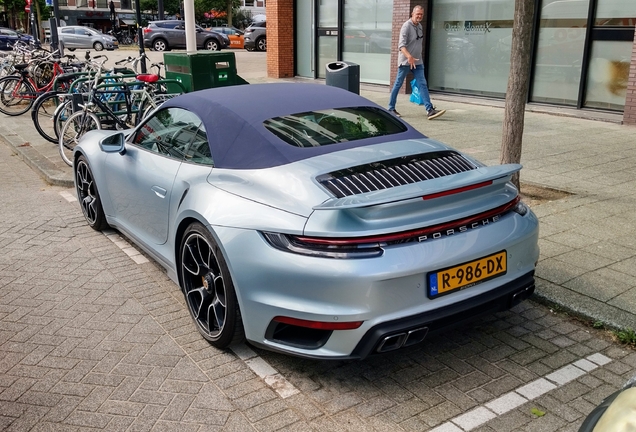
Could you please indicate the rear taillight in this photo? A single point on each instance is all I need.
(147, 30)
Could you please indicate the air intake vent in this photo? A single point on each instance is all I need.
(395, 172)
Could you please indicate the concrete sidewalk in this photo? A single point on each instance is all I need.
(588, 250)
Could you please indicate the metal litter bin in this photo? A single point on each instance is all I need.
(344, 75)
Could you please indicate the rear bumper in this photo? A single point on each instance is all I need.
(395, 334)
(408, 331)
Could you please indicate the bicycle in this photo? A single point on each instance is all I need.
(18, 92)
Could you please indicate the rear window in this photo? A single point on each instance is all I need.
(319, 128)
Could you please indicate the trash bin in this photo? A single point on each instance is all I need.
(344, 75)
(202, 70)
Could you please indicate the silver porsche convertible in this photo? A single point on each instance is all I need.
(307, 220)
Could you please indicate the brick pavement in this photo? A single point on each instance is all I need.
(92, 339)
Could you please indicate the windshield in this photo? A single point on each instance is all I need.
(319, 128)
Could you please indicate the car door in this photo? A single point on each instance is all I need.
(141, 181)
(178, 36)
(68, 37)
(83, 37)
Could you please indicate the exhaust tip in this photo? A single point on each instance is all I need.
(393, 342)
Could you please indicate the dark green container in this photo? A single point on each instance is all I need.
(202, 70)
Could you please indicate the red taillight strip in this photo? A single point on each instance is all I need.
(456, 191)
(319, 325)
(387, 238)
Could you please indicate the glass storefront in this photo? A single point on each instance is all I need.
(367, 38)
(357, 31)
(582, 48)
(470, 46)
(611, 51)
(559, 54)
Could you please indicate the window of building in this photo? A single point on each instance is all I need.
(610, 55)
(470, 46)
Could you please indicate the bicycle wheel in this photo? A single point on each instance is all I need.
(61, 114)
(16, 95)
(42, 115)
(74, 128)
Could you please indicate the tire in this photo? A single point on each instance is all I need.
(16, 95)
(98, 46)
(71, 49)
(261, 44)
(208, 288)
(74, 128)
(160, 45)
(42, 115)
(212, 45)
(88, 196)
(61, 114)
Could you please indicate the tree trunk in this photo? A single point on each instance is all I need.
(229, 13)
(517, 92)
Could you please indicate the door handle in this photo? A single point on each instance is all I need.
(159, 191)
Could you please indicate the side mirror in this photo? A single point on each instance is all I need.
(115, 143)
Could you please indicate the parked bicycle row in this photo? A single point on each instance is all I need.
(68, 96)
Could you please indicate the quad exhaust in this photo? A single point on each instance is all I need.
(399, 340)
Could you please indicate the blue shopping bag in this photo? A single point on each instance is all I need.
(416, 97)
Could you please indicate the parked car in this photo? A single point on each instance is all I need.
(9, 36)
(235, 35)
(309, 220)
(617, 412)
(256, 36)
(73, 37)
(168, 34)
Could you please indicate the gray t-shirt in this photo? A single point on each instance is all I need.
(411, 36)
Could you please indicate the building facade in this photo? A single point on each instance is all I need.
(583, 54)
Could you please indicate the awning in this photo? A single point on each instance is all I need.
(128, 21)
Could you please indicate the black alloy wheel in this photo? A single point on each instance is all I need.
(208, 288)
(88, 196)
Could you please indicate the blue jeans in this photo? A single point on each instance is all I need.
(418, 74)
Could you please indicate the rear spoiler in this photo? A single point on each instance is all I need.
(497, 173)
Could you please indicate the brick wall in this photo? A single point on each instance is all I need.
(629, 115)
(280, 38)
(401, 12)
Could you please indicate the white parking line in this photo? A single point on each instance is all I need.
(480, 415)
(260, 367)
(123, 244)
(68, 196)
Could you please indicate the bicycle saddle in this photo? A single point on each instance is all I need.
(148, 78)
(21, 66)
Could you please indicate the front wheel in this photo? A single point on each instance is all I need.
(42, 115)
(16, 95)
(98, 46)
(74, 128)
(88, 196)
(261, 44)
(212, 45)
(208, 288)
(160, 45)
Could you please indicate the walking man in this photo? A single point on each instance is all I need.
(410, 59)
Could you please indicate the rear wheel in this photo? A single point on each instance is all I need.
(61, 114)
(74, 128)
(16, 95)
(88, 196)
(208, 288)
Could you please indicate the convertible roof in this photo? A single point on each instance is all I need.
(233, 118)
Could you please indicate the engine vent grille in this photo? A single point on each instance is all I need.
(395, 172)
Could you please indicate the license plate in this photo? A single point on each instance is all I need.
(466, 275)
